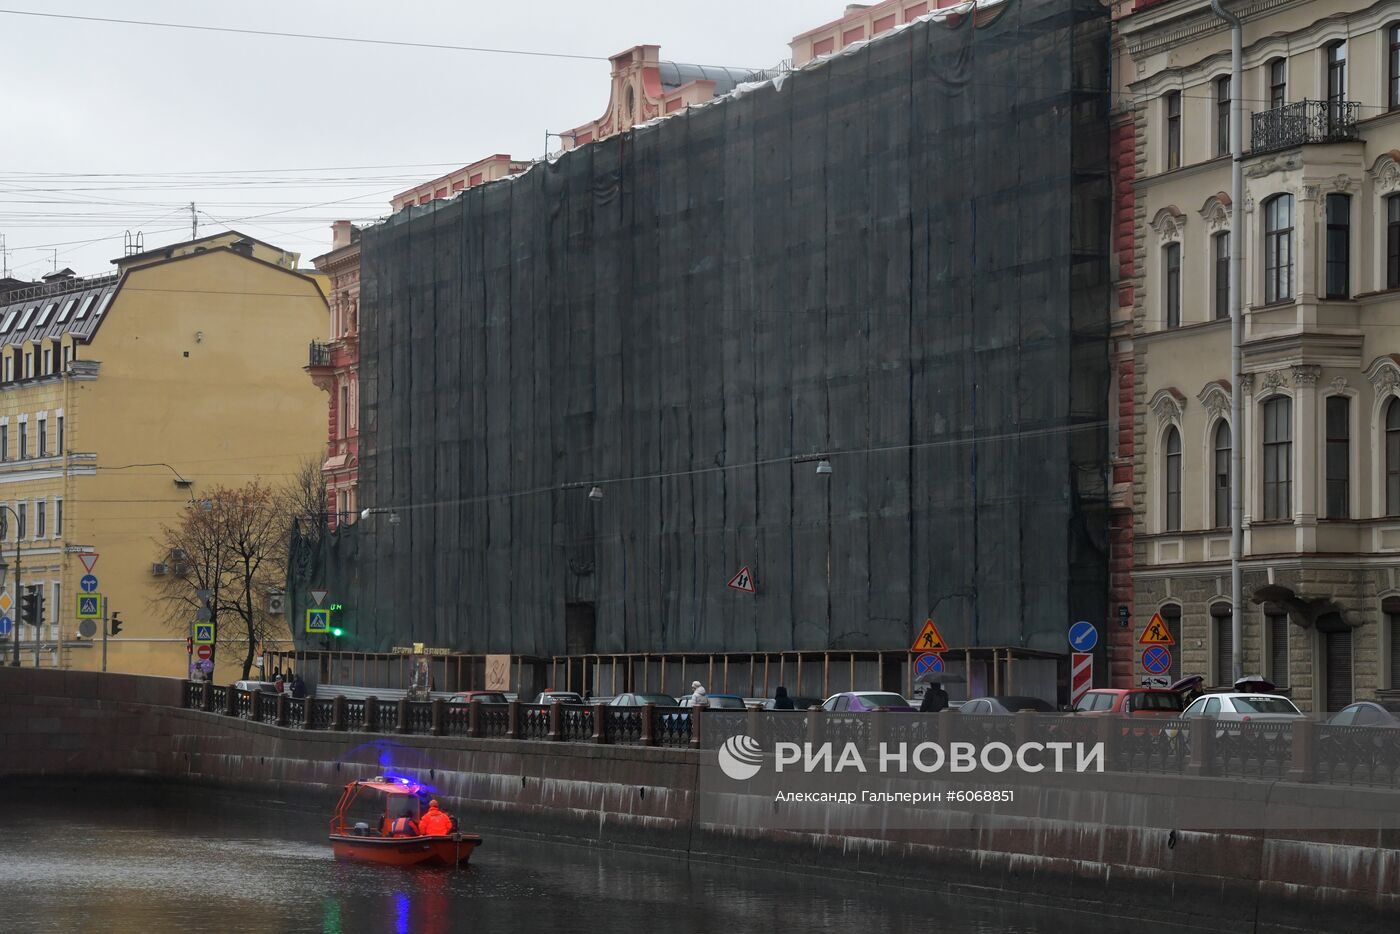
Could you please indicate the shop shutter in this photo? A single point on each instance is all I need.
(1337, 652)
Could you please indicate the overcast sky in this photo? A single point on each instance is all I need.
(109, 127)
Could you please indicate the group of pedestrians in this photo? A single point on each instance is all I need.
(294, 685)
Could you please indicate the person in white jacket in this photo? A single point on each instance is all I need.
(697, 694)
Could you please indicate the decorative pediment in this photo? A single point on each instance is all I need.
(1216, 212)
(1385, 172)
(1168, 404)
(1215, 398)
(1384, 373)
(1169, 223)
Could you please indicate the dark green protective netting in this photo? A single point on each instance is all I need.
(898, 258)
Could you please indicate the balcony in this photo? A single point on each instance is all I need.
(1303, 123)
(320, 354)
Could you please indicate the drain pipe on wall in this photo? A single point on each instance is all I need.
(1236, 336)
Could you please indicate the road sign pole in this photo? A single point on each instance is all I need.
(105, 627)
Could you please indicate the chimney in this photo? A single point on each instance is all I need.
(340, 234)
(243, 247)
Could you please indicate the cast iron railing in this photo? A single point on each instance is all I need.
(1299, 750)
(320, 354)
(1304, 122)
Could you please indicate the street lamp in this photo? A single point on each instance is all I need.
(380, 511)
(4, 568)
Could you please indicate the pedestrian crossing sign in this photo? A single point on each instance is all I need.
(89, 606)
(203, 633)
(318, 620)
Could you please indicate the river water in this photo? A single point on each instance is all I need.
(138, 859)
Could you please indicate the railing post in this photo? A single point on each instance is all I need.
(947, 726)
(371, 714)
(338, 713)
(308, 714)
(513, 720)
(439, 716)
(816, 726)
(1109, 732)
(1304, 765)
(556, 715)
(877, 729)
(474, 717)
(752, 723)
(207, 702)
(600, 723)
(281, 709)
(1022, 726)
(1202, 746)
(231, 701)
(695, 718)
(255, 706)
(402, 725)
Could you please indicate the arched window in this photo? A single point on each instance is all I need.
(1173, 480)
(1392, 458)
(1336, 74)
(1220, 249)
(1278, 458)
(1222, 475)
(1278, 249)
(1392, 241)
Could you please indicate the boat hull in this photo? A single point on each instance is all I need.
(449, 850)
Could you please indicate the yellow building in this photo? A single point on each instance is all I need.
(121, 398)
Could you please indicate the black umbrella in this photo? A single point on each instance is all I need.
(1254, 683)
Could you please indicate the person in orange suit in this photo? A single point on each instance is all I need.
(434, 823)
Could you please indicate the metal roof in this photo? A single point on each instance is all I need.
(674, 74)
(47, 313)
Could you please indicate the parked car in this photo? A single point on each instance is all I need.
(798, 703)
(486, 697)
(639, 700)
(1368, 713)
(866, 701)
(719, 702)
(263, 687)
(1131, 702)
(1005, 704)
(1232, 709)
(559, 697)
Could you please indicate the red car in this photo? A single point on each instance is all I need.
(1130, 702)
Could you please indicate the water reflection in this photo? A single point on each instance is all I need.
(137, 860)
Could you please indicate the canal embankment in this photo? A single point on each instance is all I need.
(1099, 843)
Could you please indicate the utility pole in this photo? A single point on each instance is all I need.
(194, 222)
(105, 627)
(4, 259)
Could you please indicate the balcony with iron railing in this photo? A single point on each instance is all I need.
(1304, 123)
(320, 354)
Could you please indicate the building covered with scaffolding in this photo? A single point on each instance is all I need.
(789, 372)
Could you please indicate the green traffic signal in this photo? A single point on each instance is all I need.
(337, 632)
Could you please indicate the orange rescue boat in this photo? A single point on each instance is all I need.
(373, 844)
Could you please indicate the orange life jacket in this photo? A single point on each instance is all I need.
(403, 827)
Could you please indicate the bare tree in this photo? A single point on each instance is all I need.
(305, 500)
(232, 545)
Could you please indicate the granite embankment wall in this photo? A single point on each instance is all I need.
(74, 724)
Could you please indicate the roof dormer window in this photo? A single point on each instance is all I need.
(24, 318)
(67, 309)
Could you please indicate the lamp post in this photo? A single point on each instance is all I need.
(14, 662)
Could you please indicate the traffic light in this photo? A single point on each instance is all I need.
(116, 623)
(337, 620)
(31, 607)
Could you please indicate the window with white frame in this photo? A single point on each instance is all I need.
(1221, 475)
(1278, 249)
(1278, 457)
(1171, 284)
